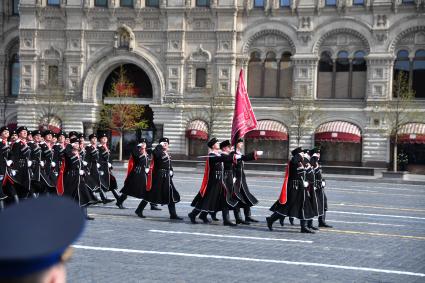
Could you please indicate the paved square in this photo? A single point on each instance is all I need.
(378, 236)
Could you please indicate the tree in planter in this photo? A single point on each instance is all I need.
(398, 110)
(120, 116)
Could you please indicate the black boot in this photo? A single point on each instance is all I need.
(120, 201)
(226, 220)
(270, 220)
(173, 213)
(310, 225)
(86, 214)
(155, 207)
(103, 197)
(291, 220)
(214, 216)
(247, 212)
(16, 199)
(304, 228)
(204, 217)
(115, 193)
(322, 222)
(238, 217)
(192, 215)
(282, 221)
(140, 208)
(1, 205)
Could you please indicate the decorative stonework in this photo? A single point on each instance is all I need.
(270, 38)
(338, 38)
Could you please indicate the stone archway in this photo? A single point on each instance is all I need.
(100, 69)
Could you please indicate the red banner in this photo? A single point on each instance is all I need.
(243, 117)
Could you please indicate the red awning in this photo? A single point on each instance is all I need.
(338, 131)
(412, 133)
(269, 130)
(197, 129)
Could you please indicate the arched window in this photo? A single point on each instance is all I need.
(325, 80)
(201, 77)
(358, 84)
(285, 75)
(402, 63)
(15, 75)
(344, 78)
(53, 76)
(342, 75)
(270, 75)
(418, 79)
(255, 75)
(53, 2)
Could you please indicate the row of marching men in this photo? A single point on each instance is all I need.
(34, 163)
(224, 187)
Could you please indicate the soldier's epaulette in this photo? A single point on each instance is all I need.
(18, 140)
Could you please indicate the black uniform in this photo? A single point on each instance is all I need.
(6, 190)
(74, 184)
(298, 204)
(246, 199)
(319, 183)
(160, 188)
(135, 182)
(47, 157)
(107, 179)
(91, 156)
(21, 157)
(58, 155)
(40, 179)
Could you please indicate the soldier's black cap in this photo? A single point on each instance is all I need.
(61, 133)
(4, 128)
(212, 142)
(74, 140)
(239, 140)
(13, 132)
(92, 136)
(296, 151)
(47, 132)
(314, 150)
(164, 140)
(33, 238)
(102, 134)
(21, 128)
(36, 132)
(142, 140)
(225, 143)
(73, 133)
(81, 135)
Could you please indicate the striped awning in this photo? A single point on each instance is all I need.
(338, 131)
(197, 129)
(269, 130)
(412, 133)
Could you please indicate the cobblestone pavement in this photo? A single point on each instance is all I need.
(378, 236)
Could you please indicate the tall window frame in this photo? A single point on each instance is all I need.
(259, 3)
(14, 75)
(53, 3)
(152, 3)
(285, 3)
(330, 3)
(203, 3)
(101, 3)
(15, 7)
(127, 3)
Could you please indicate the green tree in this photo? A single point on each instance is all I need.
(120, 114)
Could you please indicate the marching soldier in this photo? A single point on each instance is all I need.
(293, 200)
(93, 165)
(320, 184)
(47, 157)
(21, 164)
(212, 195)
(5, 191)
(107, 179)
(246, 199)
(160, 187)
(13, 137)
(58, 152)
(40, 179)
(310, 190)
(135, 182)
(71, 178)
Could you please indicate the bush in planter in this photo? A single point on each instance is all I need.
(402, 161)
